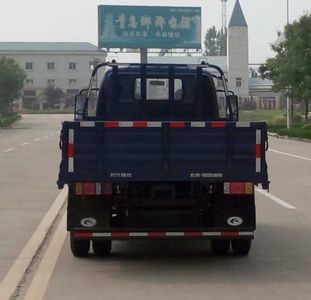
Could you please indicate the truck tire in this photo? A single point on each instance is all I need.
(241, 247)
(79, 248)
(101, 248)
(220, 247)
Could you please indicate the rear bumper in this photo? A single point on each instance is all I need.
(129, 235)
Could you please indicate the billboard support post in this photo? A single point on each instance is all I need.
(143, 55)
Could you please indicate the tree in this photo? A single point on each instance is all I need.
(53, 95)
(215, 42)
(12, 79)
(290, 69)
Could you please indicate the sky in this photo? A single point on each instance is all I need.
(76, 20)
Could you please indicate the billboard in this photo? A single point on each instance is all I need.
(149, 27)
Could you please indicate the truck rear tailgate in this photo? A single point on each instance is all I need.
(163, 151)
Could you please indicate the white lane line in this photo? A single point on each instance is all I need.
(8, 150)
(289, 154)
(45, 137)
(18, 269)
(52, 133)
(36, 140)
(25, 144)
(40, 281)
(275, 199)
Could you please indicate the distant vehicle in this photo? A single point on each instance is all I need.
(157, 152)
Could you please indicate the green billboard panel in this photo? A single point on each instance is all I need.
(149, 27)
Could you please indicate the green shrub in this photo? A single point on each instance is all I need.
(307, 126)
(281, 120)
(297, 118)
(7, 121)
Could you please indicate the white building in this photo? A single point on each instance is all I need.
(64, 65)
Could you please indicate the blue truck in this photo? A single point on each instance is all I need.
(158, 152)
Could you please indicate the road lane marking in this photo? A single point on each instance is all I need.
(289, 154)
(15, 275)
(24, 144)
(275, 199)
(41, 279)
(8, 150)
(45, 137)
(36, 140)
(52, 133)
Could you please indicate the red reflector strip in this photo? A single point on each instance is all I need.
(193, 233)
(112, 124)
(258, 151)
(156, 234)
(177, 124)
(89, 188)
(140, 124)
(120, 234)
(230, 233)
(71, 150)
(218, 124)
(82, 234)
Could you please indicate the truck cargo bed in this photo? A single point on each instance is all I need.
(116, 151)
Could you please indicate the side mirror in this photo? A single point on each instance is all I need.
(233, 100)
(80, 103)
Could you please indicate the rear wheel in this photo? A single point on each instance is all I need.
(79, 248)
(101, 247)
(220, 247)
(241, 247)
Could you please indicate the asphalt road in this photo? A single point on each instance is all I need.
(278, 267)
(29, 160)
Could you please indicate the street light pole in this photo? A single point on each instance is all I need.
(287, 12)
(288, 99)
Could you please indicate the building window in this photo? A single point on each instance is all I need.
(51, 66)
(29, 66)
(29, 82)
(51, 82)
(72, 66)
(72, 81)
(30, 93)
(238, 82)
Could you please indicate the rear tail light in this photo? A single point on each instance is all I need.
(93, 188)
(238, 188)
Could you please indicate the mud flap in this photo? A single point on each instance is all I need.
(235, 212)
(88, 212)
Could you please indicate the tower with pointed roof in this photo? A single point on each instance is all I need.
(238, 52)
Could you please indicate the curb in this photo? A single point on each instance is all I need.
(14, 278)
(273, 134)
(13, 123)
